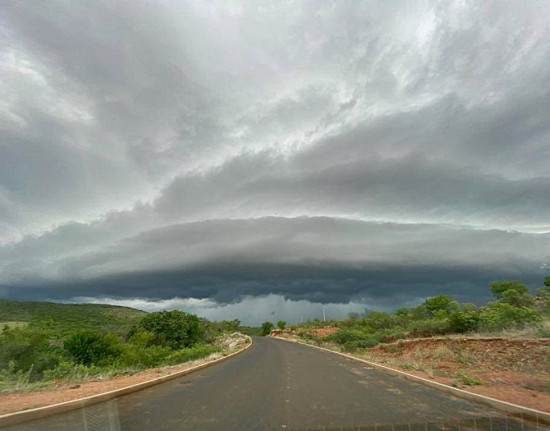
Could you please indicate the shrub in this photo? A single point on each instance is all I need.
(175, 329)
(191, 353)
(266, 328)
(281, 324)
(366, 343)
(500, 315)
(464, 321)
(429, 327)
(468, 380)
(345, 336)
(27, 350)
(378, 320)
(134, 355)
(92, 348)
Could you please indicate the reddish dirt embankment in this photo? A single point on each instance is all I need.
(513, 370)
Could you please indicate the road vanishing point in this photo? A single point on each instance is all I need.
(279, 385)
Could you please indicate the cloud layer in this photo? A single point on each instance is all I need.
(353, 151)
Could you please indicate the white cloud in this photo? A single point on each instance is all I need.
(250, 310)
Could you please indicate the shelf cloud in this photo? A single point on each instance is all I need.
(212, 155)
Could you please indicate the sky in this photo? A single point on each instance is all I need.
(263, 160)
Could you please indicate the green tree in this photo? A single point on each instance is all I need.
(281, 324)
(547, 281)
(499, 287)
(175, 329)
(266, 328)
(441, 305)
(516, 298)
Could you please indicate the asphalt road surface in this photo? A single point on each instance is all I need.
(281, 385)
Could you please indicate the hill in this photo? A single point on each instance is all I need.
(69, 318)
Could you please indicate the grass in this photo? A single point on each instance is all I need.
(65, 319)
(464, 378)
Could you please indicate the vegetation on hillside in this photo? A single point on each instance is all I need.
(43, 342)
(514, 308)
(65, 319)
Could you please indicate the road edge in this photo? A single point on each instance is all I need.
(510, 408)
(16, 418)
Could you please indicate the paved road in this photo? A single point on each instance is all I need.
(281, 385)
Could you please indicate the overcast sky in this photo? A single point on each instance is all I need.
(257, 160)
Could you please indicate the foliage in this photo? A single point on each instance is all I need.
(501, 315)
(191, 353)
(466, 379)
(266, 328)
(93, 348)
(33, 351)
(546, 281)
(281, 324)
(66, 319)
(27, 350)
(516, 298)
(498, 288)
(174, 329)
(464, 321)
(440, 315)
(441, 305)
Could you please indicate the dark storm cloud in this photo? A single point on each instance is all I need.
(318, 259)
(354, 150)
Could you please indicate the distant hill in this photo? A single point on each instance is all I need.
(68, 318)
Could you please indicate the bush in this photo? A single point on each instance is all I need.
(468, 380)
(174, 329)
(378, 320)
(267, 327)
(136, 356)
(27, 350)
(500, 315)
(345, 336)
(365, 343)
(464, 321)
(92, 348)
(429, 327)
(354, 339)
(190, 354)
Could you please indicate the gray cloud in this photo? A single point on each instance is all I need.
(354, 150)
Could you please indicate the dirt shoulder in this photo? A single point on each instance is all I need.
(63, 391)
(512, 370)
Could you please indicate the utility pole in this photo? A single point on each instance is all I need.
(324, 317)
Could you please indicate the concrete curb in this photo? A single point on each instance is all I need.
(20, 417)
(512, 409)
